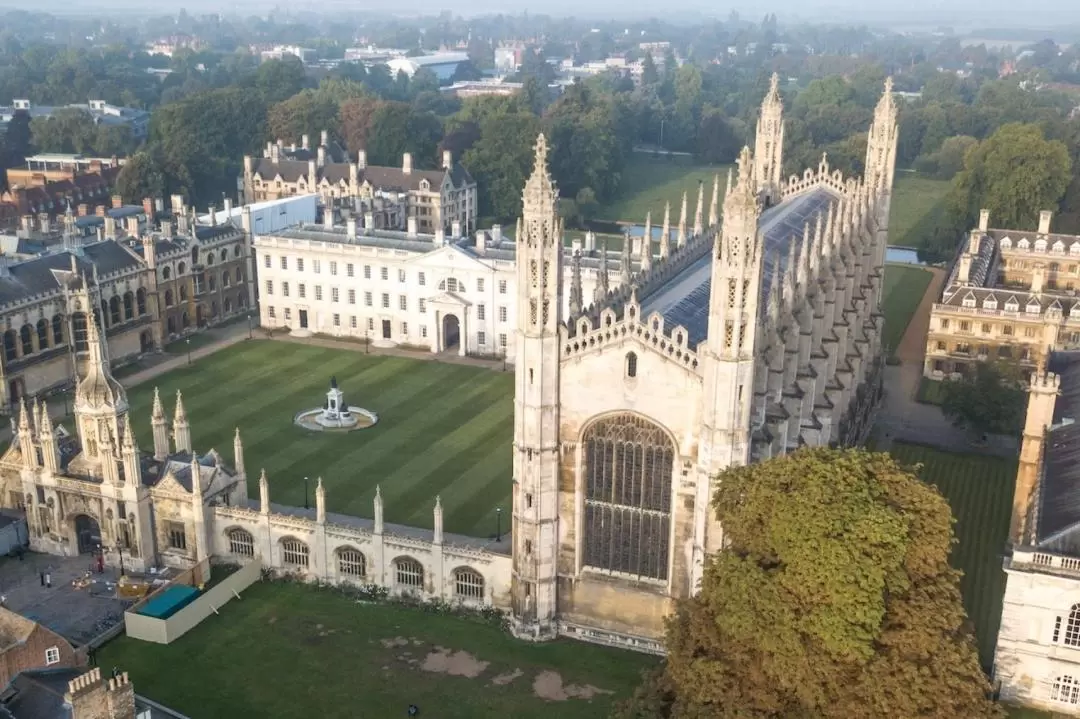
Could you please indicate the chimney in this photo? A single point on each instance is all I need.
(350, 226)
(324, 139)
(975, 242)
(1044, 222)
(275, 153)
(292, 148)
(90, 696)
(328, 218)
(28, 223)
(177, 202)
(411, 231)
(406, 163)
(249, 166)
(148, 208)
(245, 221)
(82, 209)
(354, 175)
(455, 229)
(447, 159)
(110, 227)
(481, 242)
(496, 235)
(166, 229)
(117, 201)
(322, 156)
(100, 210)
(43, 220)
(963, 269)
(228, 208)
(361, 159)
(440, 237)
(575, 246)
(159, 205)
(590, 241)
(984, 220)
(312, 175)
(369, 221)
(1038, 279)
(212, 212)
(132, 223)
(305, 142)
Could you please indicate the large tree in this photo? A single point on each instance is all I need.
(989, 400)
(833, 598)
(500, 162)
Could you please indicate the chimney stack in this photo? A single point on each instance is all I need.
(148, 209)
(100, 210)
(496, 235)
(117, 201)
(132, 223)
(361, 159)
(411, 231)
(324, 139)
(455, 229)
(447, 159)
(82, 209)
(975, 242)
(110, 227)
(1044, 222)
(228, 208)
(369, 221)
(350, 226)
(328, 218)
(481, 242)
(43, 219)
(167, 229)
(322, 155)
(406, 163)
(984, 220)
(306, 142)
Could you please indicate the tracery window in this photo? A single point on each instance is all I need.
(241, 543)
(1065, 689)
(631, 364)
(294, 553)
(627, 484)
(408, 573)
(1072, 627)
(351, 563)
(468, 584)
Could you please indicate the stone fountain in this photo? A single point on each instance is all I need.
(336, 415)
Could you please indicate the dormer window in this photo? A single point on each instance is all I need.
(969, 301)
(1040, 245)
(1033, 308)
(990, 303)
(1023, 245)
(1058, 248)
(1012, 306)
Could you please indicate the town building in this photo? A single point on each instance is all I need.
(88, 192)
(70, 693)
(442, 64)
(761, 334)
(477, 88)
(44, 168)
(25, 644)
(1011, 295)
(436, 198)
(1037, 661)
(280, 52)
(101, 112)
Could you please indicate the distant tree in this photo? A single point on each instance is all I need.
(948, 160)
(466, 71)
(717, 140)
(501, 160)
(586, 203)
(460, 137)
(832, 593)
(396, 129)
(534, 94)
(17, 137)
(355, 117)
(140, 177)
(280, 79)
(990, 400)
(305, 113)
(423, 81)
(649, 74)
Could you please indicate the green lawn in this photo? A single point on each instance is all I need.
(443, 429)
(292, 652)
(979, 490)
(904, 288)
(916, 201)
(930, 391)
(650, 182)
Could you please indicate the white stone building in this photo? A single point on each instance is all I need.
(753, 338)
(1037, 662)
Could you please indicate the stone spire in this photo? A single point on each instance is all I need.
(129, 454)
(378, 510)
(803, 276)
(789, 275)
(699, 217)
(264, 493)
(601, 290)
(881, 143)
(161, 428)
(769, 144)
(438, 521)
(682, 223)
(774, 290)
(625, 265)
(238, 454)
(714, 205)
(50, 450)
(646, 252)
(320, 502)
(110, 472)
(98, 392)
(26, 436)
(181, 428)
(665, 235)
(646, 238)
(576, 299)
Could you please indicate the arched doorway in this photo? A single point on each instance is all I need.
(87, 533)
(15, 391)
(146, 342)
(451, 332)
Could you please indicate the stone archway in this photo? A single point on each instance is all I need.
(146, 341)
(87, 533)
(451, 332)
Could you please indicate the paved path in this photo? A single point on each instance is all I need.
(901, 417)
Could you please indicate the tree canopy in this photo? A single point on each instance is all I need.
(990, 400)
(833, 597)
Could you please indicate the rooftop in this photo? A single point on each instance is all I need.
(1059, 487)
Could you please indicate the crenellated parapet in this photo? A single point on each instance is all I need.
(823, 177)
(609, 328)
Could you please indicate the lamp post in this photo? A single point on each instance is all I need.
(498, 524)
(307, 505)
(188, 341)
(249, 325)
(367, 342)
(662, 119)
(503, 353)
(120, 553)
(64, 392)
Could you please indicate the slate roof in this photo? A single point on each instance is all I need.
(38, 694)
(383, 178)
(684, 299)
(1059, 487)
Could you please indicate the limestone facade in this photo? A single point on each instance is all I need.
(1010, 296)
(745, 340)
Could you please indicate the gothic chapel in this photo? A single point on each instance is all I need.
(752, 337)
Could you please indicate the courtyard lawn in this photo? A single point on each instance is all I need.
(930, 391)
(293, 652)
(916, 201)
(904, 288)
(650, 182)
(444, 429)
(979, 489)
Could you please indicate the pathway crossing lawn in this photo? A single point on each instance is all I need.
(648, 183)
(444, 429)
(290, 651)
(979, 490)
(904, 288)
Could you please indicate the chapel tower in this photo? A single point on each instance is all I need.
(769, 144)
(729, 351)
(881, 143)
(536, 411)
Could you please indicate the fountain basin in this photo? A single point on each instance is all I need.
(318, 420)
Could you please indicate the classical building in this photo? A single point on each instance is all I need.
(436, 198)
(757, 336)
(1037, 662)
(1010, 296)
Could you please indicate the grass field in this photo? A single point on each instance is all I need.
(292, 652)
(443, 429)
(979, 489)
(930, 391)
(905, 286)
(915, 200)
(650, 182)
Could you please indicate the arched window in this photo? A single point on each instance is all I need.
(209, 258)
(140, 301)
(183, 293)
(236, 251)
(351, 563)
(241, 543)
(185, 320)
(168, 298)
(26, 334)
(294, 553)
(468, 584)
(114, 311)
(450, 284)
(43, 333)
(224, 255)
(78, 331)
(58, 329)
(628, 467)
(11, 340)
(631, 364)
(180, 268)
(226, 278)
(129, 306)
(239, 276)
(212, 281)
(1066, 690)
(408, 573)
(165, 272)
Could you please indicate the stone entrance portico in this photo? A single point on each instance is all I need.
(448, 306)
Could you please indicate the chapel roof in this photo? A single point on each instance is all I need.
(1059, 486)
